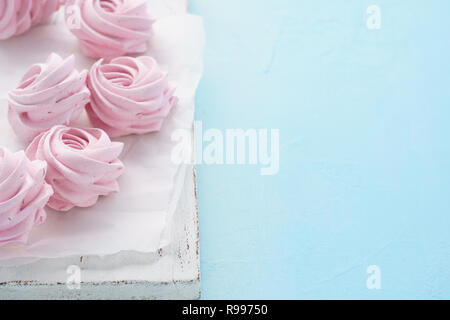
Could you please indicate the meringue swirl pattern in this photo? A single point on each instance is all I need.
(23, 196)
(129, 96)
(18, 16)
(110, 28)
(49, 94)
(83, 164)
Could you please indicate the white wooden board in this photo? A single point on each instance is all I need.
(171, 273)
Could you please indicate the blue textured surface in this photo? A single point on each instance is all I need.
(364, 131)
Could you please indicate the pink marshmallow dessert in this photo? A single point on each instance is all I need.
(83, 164)
(23, 196)
(49, 94)
(18, 16)
(129, 96)
(110, 28)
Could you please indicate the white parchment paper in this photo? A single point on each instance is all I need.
(140, 216)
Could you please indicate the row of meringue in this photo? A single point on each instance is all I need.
(105, 28)
(63, 167)
(126, 96)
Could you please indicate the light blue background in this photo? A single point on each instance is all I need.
(364, 119)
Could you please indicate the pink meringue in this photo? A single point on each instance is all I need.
(18, 16)
(23, 195)
(129, 96)
(49, 94)
(110, 28)
(83, 164)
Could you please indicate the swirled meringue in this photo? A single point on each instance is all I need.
(129, 96)
(18, 16)
(110, 28)
(49, 94)
(23, 196)
(83, 164)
